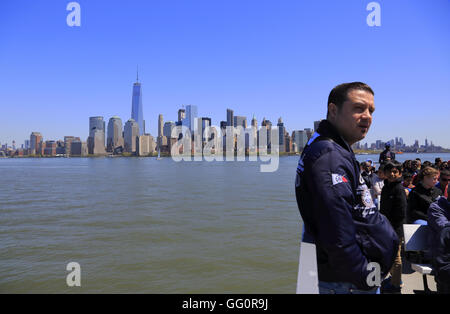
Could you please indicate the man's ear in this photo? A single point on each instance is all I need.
(332, 110)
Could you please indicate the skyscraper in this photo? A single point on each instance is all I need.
(240, 121)
(254, 140)
(145, 145)
(268, 125)
(115, 134)
(168, 127)
(309, 132)
(137, 112)
(96, 134)
(35, 139)
(68, 143)
(181, 115)
(191, 118)
(281, 137)
(300, 139)
(230, 118)
(160, 125)
(254, 122)
(160, 131)
(206, 123)
(131, 134)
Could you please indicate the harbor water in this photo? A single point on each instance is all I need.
(142, 225)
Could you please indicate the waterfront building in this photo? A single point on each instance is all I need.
(41, 149)
(254, 134)
(230, 117)
(167, 129)
(254, 122)
(281, 137)
(35, 141)
(191, 118)
(96, 135)
(309, 133)
(145, 145)
(131, 134)
(50, 148)
(78, 148)
(160, 130)
(115, 134)
(99, 143)
(60, 147)
(137, 111)
(160, 125)
(288, 143)
(206, 123)
(268, 125)
(300, 139)
(223, 126)
(240, 121)
(181, 115)
(67, 144)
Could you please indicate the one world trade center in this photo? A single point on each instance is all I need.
(137, 113)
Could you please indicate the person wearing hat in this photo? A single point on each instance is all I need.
(387, 155)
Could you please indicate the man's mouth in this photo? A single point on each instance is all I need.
(364, 128)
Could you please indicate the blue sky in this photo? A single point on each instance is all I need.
(264, 57)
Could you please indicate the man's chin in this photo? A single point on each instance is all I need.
(363, 134)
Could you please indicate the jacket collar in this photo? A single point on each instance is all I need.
(329, 130)
(444, 203)
(397, 181)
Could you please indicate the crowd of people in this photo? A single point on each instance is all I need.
(413, 192)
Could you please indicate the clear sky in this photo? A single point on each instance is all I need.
(270, 58)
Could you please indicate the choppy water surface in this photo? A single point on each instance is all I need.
(143, 225)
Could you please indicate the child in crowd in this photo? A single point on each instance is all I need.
(377, 184)
(407, 182)
(393, 206)
(421, 197)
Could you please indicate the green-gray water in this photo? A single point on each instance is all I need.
(143, 225)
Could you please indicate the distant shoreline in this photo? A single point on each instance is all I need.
(359, 153)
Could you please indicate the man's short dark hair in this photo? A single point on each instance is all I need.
(339, 94)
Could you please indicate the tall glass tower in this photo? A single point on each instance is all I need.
(137, 113)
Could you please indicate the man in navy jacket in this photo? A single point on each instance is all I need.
(439, 223)
(336, 206)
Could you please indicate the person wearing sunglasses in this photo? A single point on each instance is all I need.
(444, 177)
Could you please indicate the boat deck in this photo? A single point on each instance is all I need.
(413, 280)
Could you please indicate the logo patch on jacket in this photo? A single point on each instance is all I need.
(337, 178)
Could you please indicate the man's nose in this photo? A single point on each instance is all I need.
(366, 115)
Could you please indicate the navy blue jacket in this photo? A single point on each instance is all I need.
(438, 219)
(338, 212)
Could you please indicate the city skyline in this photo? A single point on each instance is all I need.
(120, 130)
(118, 135)
(265, 58)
